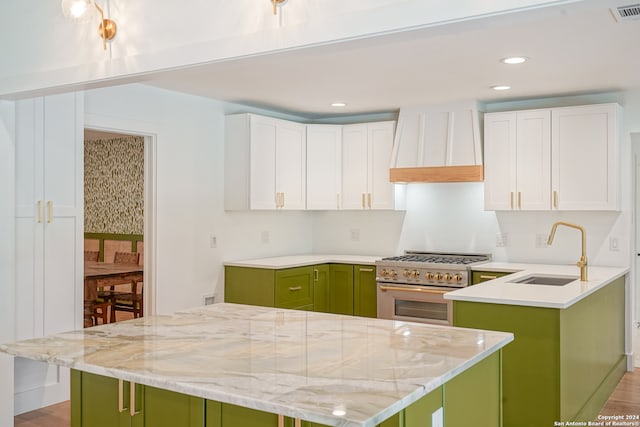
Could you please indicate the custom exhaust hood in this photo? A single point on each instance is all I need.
(438, 144)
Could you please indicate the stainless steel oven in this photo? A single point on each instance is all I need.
(411, 287)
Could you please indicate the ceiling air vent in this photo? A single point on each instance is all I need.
(624, 13)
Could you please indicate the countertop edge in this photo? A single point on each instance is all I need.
(292, 261)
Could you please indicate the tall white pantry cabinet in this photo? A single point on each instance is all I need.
(48, 233)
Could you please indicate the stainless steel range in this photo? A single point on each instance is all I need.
(411, 287)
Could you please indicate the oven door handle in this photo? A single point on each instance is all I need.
(421, 291)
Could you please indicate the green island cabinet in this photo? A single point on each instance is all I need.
(564, 363)
(329, 288)
(473, 398)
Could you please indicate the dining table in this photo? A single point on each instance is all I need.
(101, 274)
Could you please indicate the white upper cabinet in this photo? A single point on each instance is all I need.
(517, 160)
(324, 151)
(585, 158)
(265, 163)
(366, 153)
(561, 159)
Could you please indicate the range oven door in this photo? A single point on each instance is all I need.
(414, 303)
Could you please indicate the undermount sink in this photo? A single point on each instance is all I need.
(536, 279)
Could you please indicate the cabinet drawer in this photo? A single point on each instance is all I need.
(483, 276)
(294, 287)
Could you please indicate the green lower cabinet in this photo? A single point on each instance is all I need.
(294, 287)
(214, 413)
(321, 288)
(253, 286)
(341, 289)
(563, 363)
(94, 403)
(483, 276)
(365, 292)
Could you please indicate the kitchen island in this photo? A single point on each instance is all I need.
(569, 350)
(229, 362)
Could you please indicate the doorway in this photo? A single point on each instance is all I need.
(114, 226)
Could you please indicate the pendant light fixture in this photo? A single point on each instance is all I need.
(81, 10)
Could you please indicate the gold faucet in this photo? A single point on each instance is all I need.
(583, 258)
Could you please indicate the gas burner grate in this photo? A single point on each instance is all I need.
(438, 258)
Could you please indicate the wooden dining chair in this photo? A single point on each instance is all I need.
(92, 256)
(95, 307)
(127, 301)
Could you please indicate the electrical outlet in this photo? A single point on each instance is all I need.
(541, 241)
(213, 241)
(208, 299)
(437, 418)
(355, 235)
(613, 244)
(502, 240)
(264, 237)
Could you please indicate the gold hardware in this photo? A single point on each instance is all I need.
(519, 200)
(295, 288)
(369, 199)
(76, 9)
(132, 399)
(418, 290)
(511, 200)
(582, 263)
(555, 199)
(366, 270)
(315, 274)
(275, 5)
(280, 420)
(297, 422)
(40, 213)
(488, 277)
(49, 212)
(107, 28)
(363, 206)
(121, 407)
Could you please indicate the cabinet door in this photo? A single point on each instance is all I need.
(584, 153)
(355, 163)
(380, 189)
(253, 286)
(262, 180)
(341, 289)
(321, 288)
(499, 161)
(294, 287)
(324, 145)
(291, 164)
(238, 416)
(364, 289)
(533, 160)
(164, 408)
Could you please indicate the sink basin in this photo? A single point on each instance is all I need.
(538, 279)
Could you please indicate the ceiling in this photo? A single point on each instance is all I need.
(574, 48)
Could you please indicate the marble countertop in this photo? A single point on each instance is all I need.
(502, 291)
(330, 369)
(303, 260)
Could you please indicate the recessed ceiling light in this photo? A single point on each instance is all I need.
(514, 60)
(338, 104)
(501, 87)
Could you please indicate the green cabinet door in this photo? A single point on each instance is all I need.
(364, 289)
(253, 286)
(294, 287)
(96, 401)
(341, 289)
(321, 288)
(483, 276)
(238, 416)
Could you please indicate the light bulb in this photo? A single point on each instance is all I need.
(76, 9)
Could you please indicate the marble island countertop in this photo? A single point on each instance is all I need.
(289, 261)
(325, 368)
(503, 291)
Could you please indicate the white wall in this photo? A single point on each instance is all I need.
(156, 35)
(7, 214)
(190, 171)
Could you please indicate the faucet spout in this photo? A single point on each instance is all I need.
(582, 263)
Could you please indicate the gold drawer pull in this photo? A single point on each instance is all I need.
(519, 200)
(121, 407)
(132, 399)
(40, 212)
(49, 211)
(366, 270)
(511, 200)
(369, 199)
(555, 200)
(487, 276)
(295, 288)
(363, 205)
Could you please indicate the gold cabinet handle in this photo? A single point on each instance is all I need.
(121, 407)
(519, 200)
(488, 277)
(511, 200)
(369, 200)
(280, 417)
(49, 212)
(295, 288)
(555, 199)
(366, 270)
(40, 213)
(315, 274)
(132, 399)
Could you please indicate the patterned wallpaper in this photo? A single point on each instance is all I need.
(114, 185)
